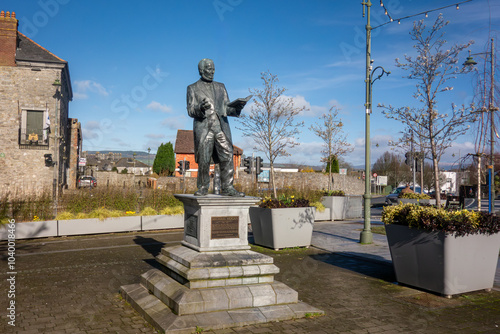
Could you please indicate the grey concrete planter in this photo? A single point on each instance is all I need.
(354, 207)
(28, 230)
(325, 215)
(161, 222)
(443, 263)
(95, 226)
(282, 228)
(337, 206)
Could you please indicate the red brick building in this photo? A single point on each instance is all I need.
(184, 149)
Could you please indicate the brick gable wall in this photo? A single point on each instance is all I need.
(8, 38)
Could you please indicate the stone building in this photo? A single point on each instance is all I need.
(39, 144)
(132, 166)
(184, 149)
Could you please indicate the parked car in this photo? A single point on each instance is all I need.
(392, 198)
(87, 181)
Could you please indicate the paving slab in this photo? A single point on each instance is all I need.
(71, 285)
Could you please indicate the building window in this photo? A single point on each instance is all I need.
(35, 128)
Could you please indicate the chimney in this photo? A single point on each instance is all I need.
(8, 38)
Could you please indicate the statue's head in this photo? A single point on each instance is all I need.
(207, 69)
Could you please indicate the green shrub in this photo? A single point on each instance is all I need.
(319, 206)
(65, 215)
(414, 196)
(458, 223)
(284, 201)
(173, 210)
(148, 211)
(334, 193)
(103, 213)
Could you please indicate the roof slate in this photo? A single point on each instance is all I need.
(130, 163)
(184, 143)
(28, 50)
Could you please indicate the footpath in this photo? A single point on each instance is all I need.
(71, 284)
(343, 238)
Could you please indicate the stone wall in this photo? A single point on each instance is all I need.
(351, 185)
(23, 169)
(114, 179)
(75, 145)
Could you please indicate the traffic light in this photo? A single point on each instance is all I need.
(247, 163)
(186, 165)
(417, 165)
(258, 165)
(181, 167)
(408, 158)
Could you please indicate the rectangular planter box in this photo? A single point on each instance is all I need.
(95, 226)
(325, 215)
(282, 228)
(161, 222)
(441, 262)
(354, 207)
(27, 230)
(337, 206)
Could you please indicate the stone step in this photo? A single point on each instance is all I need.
(196, 277)
(183, 300)
(164, 320)
(193, 259)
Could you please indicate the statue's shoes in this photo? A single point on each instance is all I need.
(201, 192)
(232, 192)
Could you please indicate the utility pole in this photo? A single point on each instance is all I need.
(491, 108)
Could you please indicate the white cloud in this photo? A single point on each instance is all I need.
(82, 88)
(157, 106)
(175, 123)
(154, 136)
(300, 101)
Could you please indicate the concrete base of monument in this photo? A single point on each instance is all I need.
(213, 280)
(213, 290)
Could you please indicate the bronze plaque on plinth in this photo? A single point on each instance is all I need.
(225, 227)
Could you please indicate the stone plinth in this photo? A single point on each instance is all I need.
(213, 280)
(213, 222)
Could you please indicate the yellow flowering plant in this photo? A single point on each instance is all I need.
(457, 222)
(284, 201)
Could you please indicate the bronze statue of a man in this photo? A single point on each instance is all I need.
(209, 106)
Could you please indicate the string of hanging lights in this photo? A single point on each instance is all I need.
(426, 13)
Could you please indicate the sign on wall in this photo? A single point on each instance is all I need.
(381, 180)
(264, 176)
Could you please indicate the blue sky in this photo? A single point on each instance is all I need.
(130, 62)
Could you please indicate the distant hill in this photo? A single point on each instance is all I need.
(139, 155)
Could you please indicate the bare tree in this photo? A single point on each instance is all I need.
(433, 67)
(390, 164)
(271, 121)
(420, 150)
(335, 143)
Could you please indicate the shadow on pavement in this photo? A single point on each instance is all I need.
(375, 268)
(150, 245)
(337, 236)
(24, 248)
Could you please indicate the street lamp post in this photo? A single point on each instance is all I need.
(57, 85)
(491, 108)
(366, 236)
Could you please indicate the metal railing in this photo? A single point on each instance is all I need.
(34, 137)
